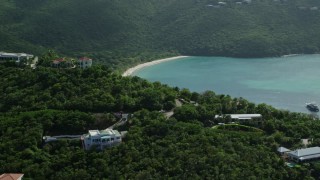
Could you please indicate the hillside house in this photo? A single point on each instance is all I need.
(61, 63)
(283, 150)
(101, 139)
(17, 57)
(305, 155)
(84, 62)
(248, 119)
(57, 62)
(240, 116)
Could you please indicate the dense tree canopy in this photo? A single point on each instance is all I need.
(47, 101)
(188, 145)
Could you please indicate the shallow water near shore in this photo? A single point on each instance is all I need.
(283, 82)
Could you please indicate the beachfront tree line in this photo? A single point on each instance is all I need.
(48, 101)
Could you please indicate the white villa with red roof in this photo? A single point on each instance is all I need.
(58, 62)
(63, 63)
(84, 62)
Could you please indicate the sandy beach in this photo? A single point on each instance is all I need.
(129, 71)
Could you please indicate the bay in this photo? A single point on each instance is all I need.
(283, 82)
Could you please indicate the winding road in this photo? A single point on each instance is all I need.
(170, 113)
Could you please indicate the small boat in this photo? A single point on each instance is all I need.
(313, 107)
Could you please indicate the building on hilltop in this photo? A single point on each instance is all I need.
(17, 57)
(101, 139)
(248, 119)
(305, 155)
(283, 150)
(62, 63)
(11, 176)
(58, 62)
(240, 116)
(84, 62)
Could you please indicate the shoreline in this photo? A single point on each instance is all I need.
(131, 70)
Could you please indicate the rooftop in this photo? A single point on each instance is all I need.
(309, 157)
(283, 149)
(109, 132)
(85, 59)
(94, 132)
(58, 60)
(105, 132)
(5, 54)
(240, 116)
(306, 152)
(9, 176)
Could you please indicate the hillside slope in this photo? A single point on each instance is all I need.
(192, 27)
(48, 101)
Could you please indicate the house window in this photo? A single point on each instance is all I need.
(96, 140)
(118, 137)
(112, 139)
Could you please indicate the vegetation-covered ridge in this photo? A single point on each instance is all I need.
(123, 32)
(48, 101)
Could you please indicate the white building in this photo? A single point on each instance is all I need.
(241, 116)
(84, 62)
(14, 56)
(303, 155)
(283, 150)
(101, 139)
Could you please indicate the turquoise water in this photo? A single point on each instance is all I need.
(284, 82)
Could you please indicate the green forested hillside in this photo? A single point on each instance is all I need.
(113, 31)
(47, 101)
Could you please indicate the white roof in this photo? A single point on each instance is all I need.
(283, 149)
(246, 115)
(305, 152)
(105, 132)
(4, 54)
(241, 116)
(94, 132)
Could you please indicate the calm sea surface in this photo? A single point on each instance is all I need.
(284, 82)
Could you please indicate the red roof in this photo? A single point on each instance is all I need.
(57, 61)
(85, 59)
(10, 176)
